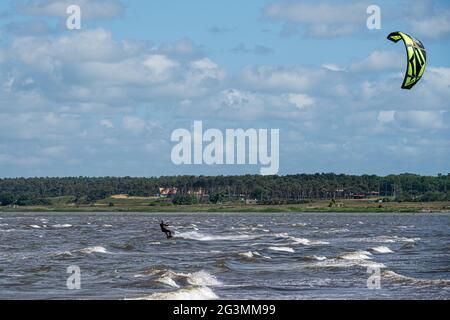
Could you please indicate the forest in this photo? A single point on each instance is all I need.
(265, 189)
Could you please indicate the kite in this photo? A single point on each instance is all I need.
(417, 58)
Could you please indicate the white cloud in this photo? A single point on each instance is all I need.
(434, 27)
(54, 151)
(420, 119)
(301, 101)
(288, 79)
(381, 60)
(90, 67)
(134, 125)
(332, 67)
(39, 125)
(428, 19)
(386, 116)
(206, 69)
(160, 66)
(107, 123)
(325, 19)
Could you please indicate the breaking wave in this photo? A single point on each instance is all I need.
(308, 242)
(381, 249)
(388, 239)
(282, 249)
(192, 286)
(303, 241)
(195, 293)
(94, 249)
(391, 275)
(357, 255)
(194, 235)
(61, 226)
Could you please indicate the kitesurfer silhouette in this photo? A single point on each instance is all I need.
(165, 230)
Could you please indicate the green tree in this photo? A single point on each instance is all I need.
(185, 200)
(6, 199)
(217, 197)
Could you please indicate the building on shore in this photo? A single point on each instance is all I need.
(167, 192)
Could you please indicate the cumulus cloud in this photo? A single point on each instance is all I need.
(381, 60)
(332, 67)
(386, 116)
(324, 19)
(420, 119)
(281, 78)
(160, 66)
(301, 101)
(89, 99)
(91, 67)
(428, 19)
(134, 125)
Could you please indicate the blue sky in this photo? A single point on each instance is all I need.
(104, 100)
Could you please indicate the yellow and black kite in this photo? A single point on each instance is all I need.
(417, 58)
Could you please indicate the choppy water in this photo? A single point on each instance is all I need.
(225, 256)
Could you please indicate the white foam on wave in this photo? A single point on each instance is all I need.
(357, 255)
(61, 225)
(35, 226)
(7, 230)
(194, 235)
(107, 226)
(389, 274)
(167, 280)
(199, 284)
(195, 293)
(281, 235)
(320, 258)
(61, 254)
(299, 224)
(94, 249)
(302, 241)
(248, 254)
(308, 242)
(388, 239)
(381, 249)
(201, 278)
(282, 249)
(347, 263)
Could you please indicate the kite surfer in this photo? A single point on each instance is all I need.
(165, 230)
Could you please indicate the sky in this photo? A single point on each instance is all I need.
(105, 99)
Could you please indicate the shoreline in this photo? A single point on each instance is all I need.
(318, 206)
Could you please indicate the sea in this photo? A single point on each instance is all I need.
(286, 256)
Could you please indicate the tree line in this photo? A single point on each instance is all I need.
(267, 189)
